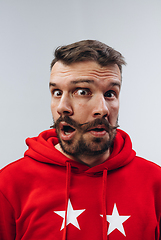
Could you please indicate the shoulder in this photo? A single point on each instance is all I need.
(147, 170)
(11, 167)
(147, 164)
(15, 171)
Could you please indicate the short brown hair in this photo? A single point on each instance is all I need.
(88, 50)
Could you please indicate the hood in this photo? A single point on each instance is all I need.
(41, 148)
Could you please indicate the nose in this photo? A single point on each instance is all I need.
(101, 109)
(64, 106)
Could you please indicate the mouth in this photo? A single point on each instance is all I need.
(98, 131)
(66, 131)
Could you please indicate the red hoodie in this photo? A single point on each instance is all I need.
(46, 195)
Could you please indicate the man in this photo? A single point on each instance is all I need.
(82, 179)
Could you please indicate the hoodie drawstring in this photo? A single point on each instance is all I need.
(68, 176)
(104, 201)
(104, 204)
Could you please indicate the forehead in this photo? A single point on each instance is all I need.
(88, 70)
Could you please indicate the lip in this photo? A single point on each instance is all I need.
(98, 133)
(69, 136)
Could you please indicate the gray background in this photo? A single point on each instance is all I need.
(30, 30)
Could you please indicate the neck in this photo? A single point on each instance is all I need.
(91, 161)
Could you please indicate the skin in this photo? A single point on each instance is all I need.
(85, 91)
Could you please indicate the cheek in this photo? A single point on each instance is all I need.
(114, 111)
(115, 106)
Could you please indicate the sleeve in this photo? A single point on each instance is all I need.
(7, 220)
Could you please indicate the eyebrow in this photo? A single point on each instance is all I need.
(52, 84)
(117, 84)
(73, 82)
(82, 81)
(113, 84)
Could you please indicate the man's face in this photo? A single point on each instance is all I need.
(85, 100)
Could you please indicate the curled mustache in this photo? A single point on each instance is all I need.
(85, 126)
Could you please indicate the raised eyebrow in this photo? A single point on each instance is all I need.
(52, 84)
(117, 84)
(113, 84)
(72, 82)
(81, 81)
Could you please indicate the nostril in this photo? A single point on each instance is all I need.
(64, 113)
(97, 114)
(100, 115)
(105, 116)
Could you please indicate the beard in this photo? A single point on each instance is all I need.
(80, 145)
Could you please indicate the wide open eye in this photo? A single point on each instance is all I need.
(57, 93)
(110, 94)
(82, 92)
